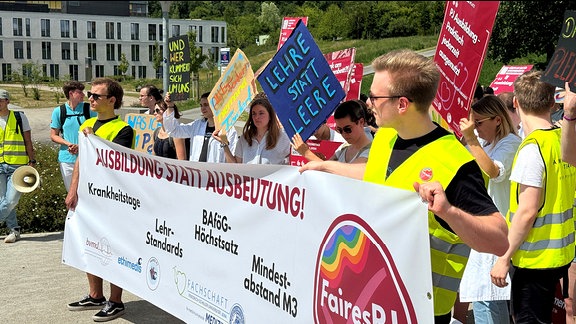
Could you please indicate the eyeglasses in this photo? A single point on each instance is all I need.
(373, 98)
(346, 129)
(158, 111)
(96, 96)
(479, 122)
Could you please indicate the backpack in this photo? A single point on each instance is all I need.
(18, 122)
(63, 115)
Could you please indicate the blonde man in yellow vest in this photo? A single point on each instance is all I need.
(412, 152)
(16, 150)
(105, 96)
(541, 224)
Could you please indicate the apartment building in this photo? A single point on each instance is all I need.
(81, 40)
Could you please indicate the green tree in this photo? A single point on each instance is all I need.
(532, 26)
(124, 64)
(157, 58)
(269, 18)
(333, 24)
(29, 75)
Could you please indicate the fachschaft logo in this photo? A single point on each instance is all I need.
(153, 273)
(101, 250)
(237, 315)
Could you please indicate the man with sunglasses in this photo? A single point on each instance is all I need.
(105, 97)
(412, 152)
(66, 134)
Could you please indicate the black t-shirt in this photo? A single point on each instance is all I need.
(125, 137)
(466, 190)
(163, 146)
(207, 136)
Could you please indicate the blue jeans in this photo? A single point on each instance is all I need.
(9, 196)
(491, 312)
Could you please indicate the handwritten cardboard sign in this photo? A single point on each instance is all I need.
(300, 84)
(144, 125)
(179, 73)
(562, 67)
(233, 92)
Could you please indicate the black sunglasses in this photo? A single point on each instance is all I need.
(159, 111)
(346, 129)
(96, 96)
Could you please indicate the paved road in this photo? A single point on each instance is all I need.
(36, 286)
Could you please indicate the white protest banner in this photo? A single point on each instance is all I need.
(237, 243)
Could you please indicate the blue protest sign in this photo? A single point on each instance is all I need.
(300, 84)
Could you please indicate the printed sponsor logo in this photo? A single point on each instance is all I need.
(153, 273)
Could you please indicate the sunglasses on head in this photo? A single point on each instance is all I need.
(158, 111)
(346, 129)
(96, 96)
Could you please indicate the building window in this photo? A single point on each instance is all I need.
(135, 31)
(17, 26)
(133, 71)
(142, 72)
(200, 34)
(75, 50)
(175, 30)
(45, 27)
(91, 29)
(222, 35)
(54, 71)
(74, 29)
(65, 28)
(29, 50)
(99, 71)
(73, 71)
(0, 26)
(92, 51)
(214, 54)
(66, 51)
(18, 49)
(6, 72)
(135, 52)
(215, 34)
(110, 56)
(27, 27)
(109, 30)
(151, 52)
(119, 53)
(115, 70)
(151, 32)
(160, 33)
(46, 50)
(1, 49)
(119, 31)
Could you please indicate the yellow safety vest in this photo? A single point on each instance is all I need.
(550, 242)
(107, 131)
(449, 254)
(13, 148)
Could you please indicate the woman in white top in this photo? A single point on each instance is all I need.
(494, 150)
(263, 139)
(350, 118)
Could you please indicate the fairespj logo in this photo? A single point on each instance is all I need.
(356, 279)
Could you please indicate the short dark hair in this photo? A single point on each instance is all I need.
(205, 95)
(71, 86)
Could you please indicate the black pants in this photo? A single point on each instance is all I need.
(533, 293)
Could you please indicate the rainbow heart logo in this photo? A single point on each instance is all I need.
(356, 279)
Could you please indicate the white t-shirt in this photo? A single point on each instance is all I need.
(529, 167)
(258, 154)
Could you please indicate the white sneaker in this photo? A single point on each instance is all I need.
(12, 237)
